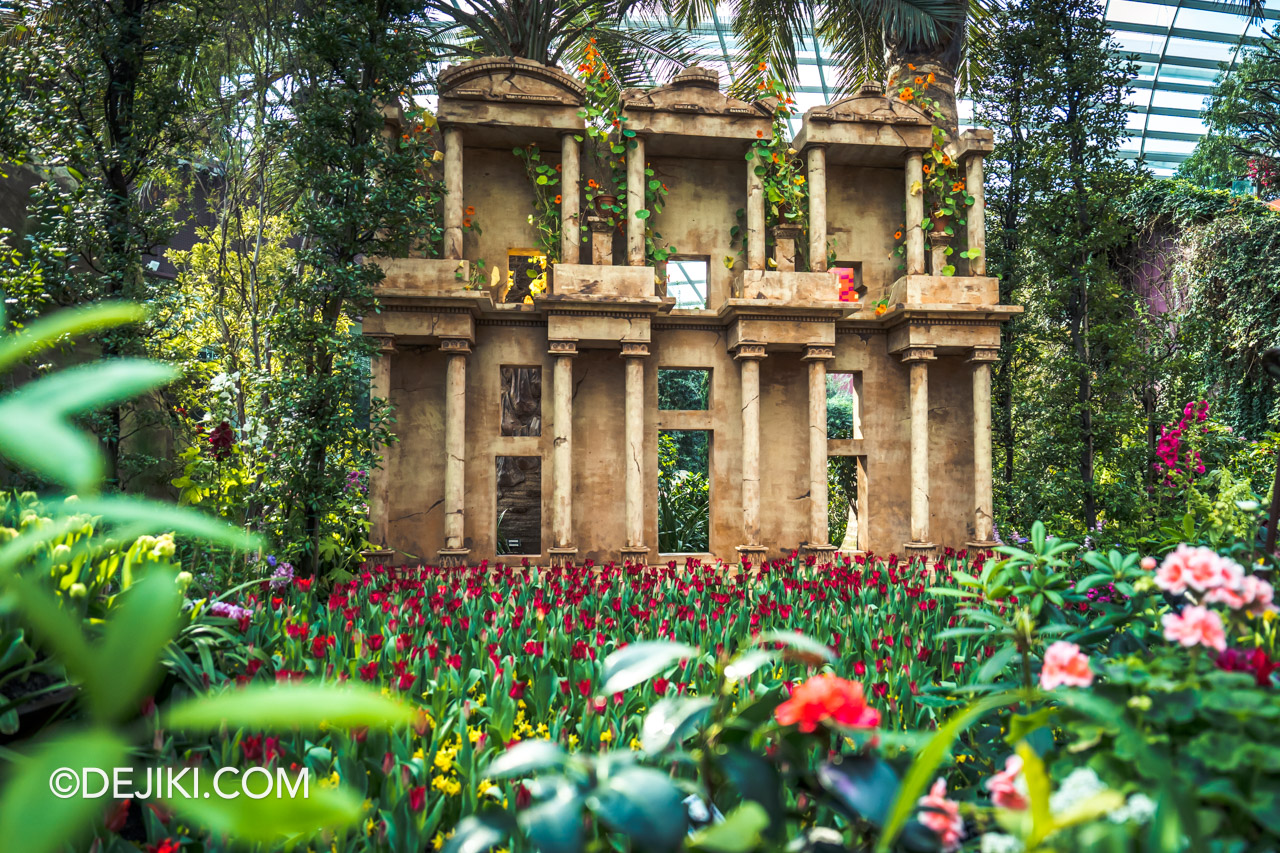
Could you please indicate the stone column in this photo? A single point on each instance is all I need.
(563, 549)
(982, 359)
(818, 355)
(817, 210)
(455, 551)
(748, 356)
(453, 203)
(977, 215)
(784, 246)
(915, 213)
(601, 240)
(918, 358)
(635, 202)
(755, 217)
(570, 193)
(380, 474)
(634, 352)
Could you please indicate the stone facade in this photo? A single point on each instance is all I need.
(768, 336)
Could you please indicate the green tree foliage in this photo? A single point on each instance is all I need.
(1073, 370)
(100, 107)
(358, 198)
(1243, 115)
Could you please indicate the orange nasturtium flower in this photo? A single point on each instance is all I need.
(466, 223)
(927, 168)
(591, 182)
(957, 186)
(880, 309)
(931, 77)
(897, 235)
(471, 211)
(906, 94)
(764, 66)
(557, 199)
(919, 81)
(912, 67)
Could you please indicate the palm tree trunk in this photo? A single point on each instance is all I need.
(939, 56)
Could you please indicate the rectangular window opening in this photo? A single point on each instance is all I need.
(846, 502)
(521, 400)
(844, 406)
(687, 281)
(526, 276)
(684, 389)
(519, 522)
(849, 274)
(684, 491)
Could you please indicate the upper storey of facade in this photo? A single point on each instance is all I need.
(689, 209)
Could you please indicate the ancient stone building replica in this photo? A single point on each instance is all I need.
(554, 401)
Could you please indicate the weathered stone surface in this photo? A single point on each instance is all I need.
(769, 338)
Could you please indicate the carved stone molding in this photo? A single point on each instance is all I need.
(635, 349)
(386, 344)
(455, 346)
(742, 351)
(984, 355)
(563, 348)
(917, 354)
(818, 352)
(599, 225)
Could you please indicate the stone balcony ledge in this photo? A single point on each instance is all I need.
(945, 290)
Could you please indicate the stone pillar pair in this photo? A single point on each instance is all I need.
(975, 218)
(563, 549)
(981, 359)
(749, 356)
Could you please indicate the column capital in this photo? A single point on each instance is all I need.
(748, 351)
(818, 352)
(984, 355)
(787, 231)
(563, 348)
(386, 344)
(455, 346)
(598, 224)
(914, 354)
(635, 349)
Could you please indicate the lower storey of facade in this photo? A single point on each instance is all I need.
(512, 445)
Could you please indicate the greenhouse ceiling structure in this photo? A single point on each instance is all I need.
(1181, 47)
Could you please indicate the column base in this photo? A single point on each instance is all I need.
(377, 555)
(562, 556)
(919, 549)
(637, 555)
(452, 558)
(821, 553)
(982, 544)
(753, 554)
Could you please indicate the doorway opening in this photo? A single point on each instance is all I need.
(684, 491)
(518, 527)
(847, 502)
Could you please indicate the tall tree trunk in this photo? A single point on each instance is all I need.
(939, 56)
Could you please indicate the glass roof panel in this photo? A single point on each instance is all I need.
(1181, 47)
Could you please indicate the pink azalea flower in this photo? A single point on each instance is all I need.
(1198, 568)
(1258, 595)
(942, 816)
(1064, 663)
(1003, 786)
(1195, 626)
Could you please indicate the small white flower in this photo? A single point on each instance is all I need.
(1081, 784)
(994, 842)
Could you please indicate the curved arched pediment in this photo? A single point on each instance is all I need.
(510, 80)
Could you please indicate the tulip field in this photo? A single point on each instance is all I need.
(499, 654)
